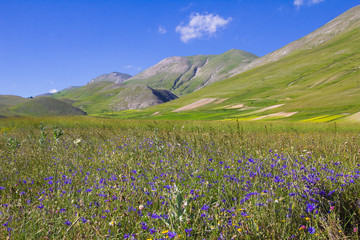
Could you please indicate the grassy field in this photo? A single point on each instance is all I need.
(91, 178)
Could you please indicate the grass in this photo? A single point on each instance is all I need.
(83, 177)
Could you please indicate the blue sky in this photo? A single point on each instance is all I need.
(53, 44)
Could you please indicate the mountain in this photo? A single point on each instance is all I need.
(158, 84)
(114, 77)
(316, 78)
(183, 75)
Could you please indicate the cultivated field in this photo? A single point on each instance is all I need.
(88, 178)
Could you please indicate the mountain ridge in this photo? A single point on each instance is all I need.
(183, 75)
(346, 21)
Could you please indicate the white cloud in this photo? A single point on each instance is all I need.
(53, 90)
(187, 7)
(201, 25)
(299, 3)
(162, 30)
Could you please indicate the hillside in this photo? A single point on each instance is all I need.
(319, 81)
(102, 96)
(343, 23)
(7, 101)
(183, 75)
(45, 106)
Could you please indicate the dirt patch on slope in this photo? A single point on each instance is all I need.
(196, 104)
(268, 108)
(221, 100)
(279, 114)
(237, 106)
(354, 117)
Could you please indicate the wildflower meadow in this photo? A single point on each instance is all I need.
(88, 178)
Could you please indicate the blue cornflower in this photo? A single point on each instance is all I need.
(311, 230)
(205, 207)
(310, 207)
(144, 225)
(68, 222)
(172, 234)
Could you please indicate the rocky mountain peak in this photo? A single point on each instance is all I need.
(114, 77)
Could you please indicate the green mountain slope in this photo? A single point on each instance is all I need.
(183, 75)
(45, 106)
(7, 101)
(102, 96)
(343, 23)
(316, 82)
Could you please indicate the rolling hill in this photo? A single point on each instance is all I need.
(45, 106)
(8, 101)
(318, 79)
(104, 97)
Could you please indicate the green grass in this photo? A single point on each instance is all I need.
(87, 178)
